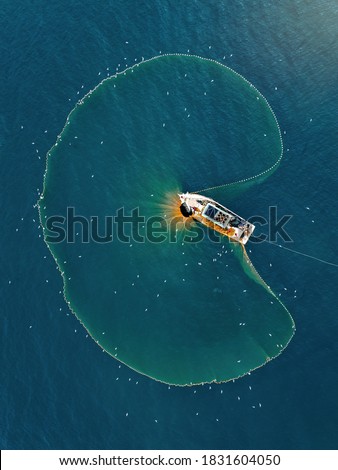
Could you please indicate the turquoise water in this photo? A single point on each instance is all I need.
(59, 390)
(178, 311)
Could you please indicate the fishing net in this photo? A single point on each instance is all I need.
(166, 298)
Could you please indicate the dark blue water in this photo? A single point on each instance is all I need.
(58, 389)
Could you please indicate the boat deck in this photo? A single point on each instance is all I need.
(219, 218)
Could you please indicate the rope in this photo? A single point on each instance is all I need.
(264, 172)
(303, 254)
(244, 180)
(267, 287)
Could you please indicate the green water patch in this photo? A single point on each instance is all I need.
(175, 309)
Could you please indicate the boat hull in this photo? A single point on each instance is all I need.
(212, 214)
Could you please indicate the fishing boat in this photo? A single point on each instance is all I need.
(214, 215)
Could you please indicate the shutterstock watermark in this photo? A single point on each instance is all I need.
(133, 227)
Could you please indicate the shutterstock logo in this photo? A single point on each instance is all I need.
(276, 227)
(133, 227)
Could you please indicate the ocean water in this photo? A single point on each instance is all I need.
(58, 389)
(171, 305)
